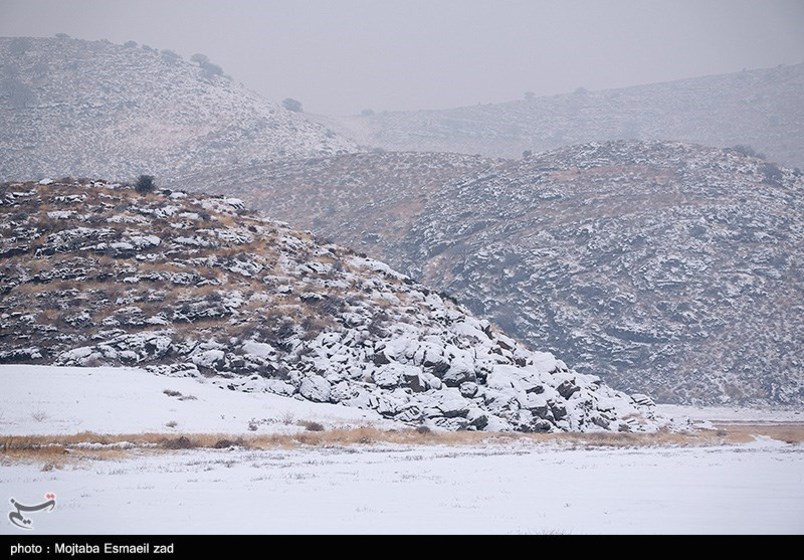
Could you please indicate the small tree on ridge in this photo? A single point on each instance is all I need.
(145, 184)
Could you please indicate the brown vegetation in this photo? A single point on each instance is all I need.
(55, 451)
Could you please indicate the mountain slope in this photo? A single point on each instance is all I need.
(761, 108)
(672, 268)
(96, 274)
(82, 108)
(665, 268)
(368, 201)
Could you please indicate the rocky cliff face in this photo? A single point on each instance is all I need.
(93, 108)
(95, 273)
(666, 268)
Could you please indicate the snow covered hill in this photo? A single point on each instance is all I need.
(666, 268)
(96, 274)
(92, 108)
(366, 201)
(761, 108)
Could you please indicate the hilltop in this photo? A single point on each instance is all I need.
(93, 108)
(760, 108)
(97, 274)
(665, 268)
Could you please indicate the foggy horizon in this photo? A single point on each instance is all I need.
(346, 56)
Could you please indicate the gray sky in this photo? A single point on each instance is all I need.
(342, 56)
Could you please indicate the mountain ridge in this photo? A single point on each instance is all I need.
(760, 108)
(92, 108)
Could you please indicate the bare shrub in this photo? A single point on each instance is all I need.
(181, 442)
(311, 426)
(227, 443)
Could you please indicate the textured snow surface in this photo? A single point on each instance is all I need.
(46, 400)
(732, 414)
(515, 487)
(521, 489)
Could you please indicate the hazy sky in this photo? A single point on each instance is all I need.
(342, 56)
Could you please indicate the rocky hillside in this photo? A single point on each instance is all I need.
(80, 108)
(760, 108)
(94, 273)
(673, 268)
(665, 268)
(367, 201)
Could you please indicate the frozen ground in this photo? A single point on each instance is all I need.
(756, 488)
(515, 487)
(732, 414)
(45, 400)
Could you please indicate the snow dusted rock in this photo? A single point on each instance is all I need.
(315, 388)
(19, 355)
(468, 389)
(256, 306)
(643, 400)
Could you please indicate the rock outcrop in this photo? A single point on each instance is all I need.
(95, 273)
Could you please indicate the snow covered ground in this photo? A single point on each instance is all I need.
(520, 486)
(732, 414)
(531, 489)
(45, 400)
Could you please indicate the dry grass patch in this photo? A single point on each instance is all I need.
(723, 434)
(366, 435)
(744, 433)
(55, 451)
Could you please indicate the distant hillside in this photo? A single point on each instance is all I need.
(81, 108)
(191, 285)
(367, 201)
(665, 268)
(760, 108)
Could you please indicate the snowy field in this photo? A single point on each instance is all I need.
(732, 414)
(756, 488)
(44, 400)
(515, 487)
